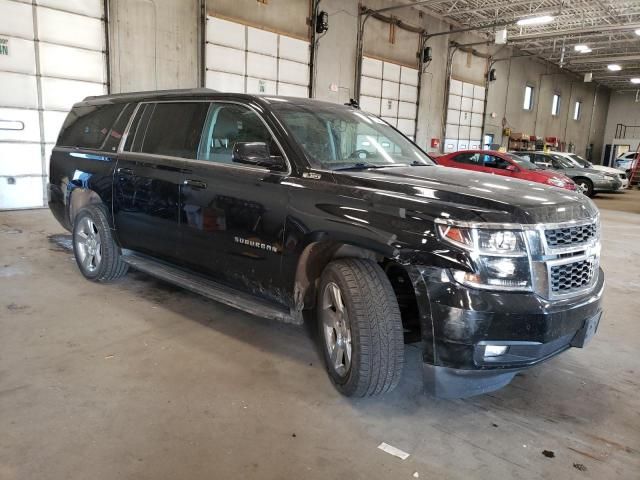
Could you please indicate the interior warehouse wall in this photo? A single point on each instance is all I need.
(506, 97)
(625, 109)
(154, 44)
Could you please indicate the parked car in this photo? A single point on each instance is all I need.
(278, 205)
(626, 162)
(588, 180)
(581, 162)
(505, 164)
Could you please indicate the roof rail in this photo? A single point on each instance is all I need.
(152, 93)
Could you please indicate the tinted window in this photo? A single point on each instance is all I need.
(491, 161)
(468, 158)
(230, 124)
(87, 126)
(116, 132)
(174, 129)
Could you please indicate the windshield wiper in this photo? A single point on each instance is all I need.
(361, 166)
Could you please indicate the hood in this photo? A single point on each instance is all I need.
(455, 194)
(575, 171)
(602, 168)
(546, 173)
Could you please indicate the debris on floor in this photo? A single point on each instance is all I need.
(579, 466)
(396, 452)
(548, 453)
(416, 475)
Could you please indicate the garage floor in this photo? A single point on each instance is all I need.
(142, 380)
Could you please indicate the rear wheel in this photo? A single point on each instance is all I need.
(360, 328)
(585, 185)
(97, 254)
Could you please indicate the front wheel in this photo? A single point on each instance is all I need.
(97, 254)
(360, 329)
(585, 185)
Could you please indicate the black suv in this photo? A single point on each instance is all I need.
(278, 205)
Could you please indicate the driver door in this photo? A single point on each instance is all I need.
(497, 166)
(233, 213)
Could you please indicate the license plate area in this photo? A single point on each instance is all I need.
(586, 333)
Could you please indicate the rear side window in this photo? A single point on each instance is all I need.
(87, 126)
(174, 129)
(116, 132)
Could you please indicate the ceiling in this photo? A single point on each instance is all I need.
(606, 26)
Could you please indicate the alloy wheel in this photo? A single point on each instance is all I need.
(88, 245)
(336, 329)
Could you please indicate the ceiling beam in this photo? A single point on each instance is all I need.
(606, 59)
(576, 31)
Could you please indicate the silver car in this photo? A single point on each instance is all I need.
(590, 181)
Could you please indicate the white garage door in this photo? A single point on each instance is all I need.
(464, 116)
(244, 59)
(52, 54)
(390, 90)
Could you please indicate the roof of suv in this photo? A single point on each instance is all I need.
(194, 93)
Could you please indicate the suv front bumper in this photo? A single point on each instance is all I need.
(459, 322)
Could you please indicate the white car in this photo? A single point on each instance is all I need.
(581, 162)
(625, 162)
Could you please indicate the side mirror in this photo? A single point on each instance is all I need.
(512, 168)
(257, 154)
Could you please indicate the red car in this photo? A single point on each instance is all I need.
(506, 164)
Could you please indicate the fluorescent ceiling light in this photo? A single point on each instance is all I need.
(614, 67)
(582, 48)
(535, 20)
(638, 31)
(635, 80)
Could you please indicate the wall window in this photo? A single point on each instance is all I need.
(576, 110)
(528, 98)
(555, 105)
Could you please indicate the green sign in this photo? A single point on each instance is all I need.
(4, 46)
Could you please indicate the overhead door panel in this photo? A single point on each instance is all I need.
(65, 60)
(390, 90)
(244, 59)
(465, 111)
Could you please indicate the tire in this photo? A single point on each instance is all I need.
(369, 329)
(587, 186)
(97, 254)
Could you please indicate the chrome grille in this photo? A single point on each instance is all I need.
(571, 236)
(571, 277)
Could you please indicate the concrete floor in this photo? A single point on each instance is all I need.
(142, 380)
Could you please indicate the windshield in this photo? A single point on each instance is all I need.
(580, 161)
(562, 162)
(523, 162)
(336, 137)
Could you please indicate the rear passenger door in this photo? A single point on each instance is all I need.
(233, 214)
(149, 174)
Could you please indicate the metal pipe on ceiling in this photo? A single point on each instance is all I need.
(575, 31)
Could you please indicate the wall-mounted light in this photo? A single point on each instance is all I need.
(614, 67)
(322, 22)
(541, 20)
(492, 75)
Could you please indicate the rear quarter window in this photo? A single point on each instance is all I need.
(88, 126)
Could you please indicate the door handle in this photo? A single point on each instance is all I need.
(199, 184)
(125, 171)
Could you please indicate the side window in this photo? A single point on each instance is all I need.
(526, 156)
(138, 126)
(467, 158)
(174, 129)
(491, 161)
(87, 126)
(228, 125)
(115, 134)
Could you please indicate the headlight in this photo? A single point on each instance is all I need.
(499, 257)
(556, 182)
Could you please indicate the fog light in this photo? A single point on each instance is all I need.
(494, 350)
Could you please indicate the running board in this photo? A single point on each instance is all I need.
(210, 289)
